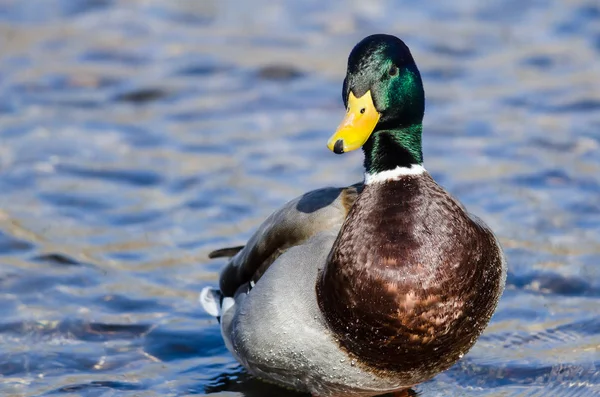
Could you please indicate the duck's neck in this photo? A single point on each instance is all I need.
(393, 149)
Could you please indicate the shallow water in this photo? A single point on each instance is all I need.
(136, 136)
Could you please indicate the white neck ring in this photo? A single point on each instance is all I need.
(394, 175)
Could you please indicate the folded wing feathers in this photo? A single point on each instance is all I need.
(225, 252)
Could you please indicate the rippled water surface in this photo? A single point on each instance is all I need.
(138, 135)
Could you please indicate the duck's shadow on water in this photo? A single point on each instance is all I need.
(240, 381)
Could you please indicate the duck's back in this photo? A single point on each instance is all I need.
(292, 225)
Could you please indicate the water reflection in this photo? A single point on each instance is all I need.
(238, 380)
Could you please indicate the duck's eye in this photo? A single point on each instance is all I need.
(363, 110)
(393, 70)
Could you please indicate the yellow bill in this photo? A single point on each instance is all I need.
(360, 121)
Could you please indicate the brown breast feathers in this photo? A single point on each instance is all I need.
(411, 281)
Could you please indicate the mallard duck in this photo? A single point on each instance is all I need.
(371, 288)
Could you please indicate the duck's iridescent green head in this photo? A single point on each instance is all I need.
(384, 98)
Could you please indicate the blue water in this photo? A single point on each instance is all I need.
(136, 136)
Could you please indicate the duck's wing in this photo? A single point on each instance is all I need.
(291, 225)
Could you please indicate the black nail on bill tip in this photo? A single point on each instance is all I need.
(338, 148)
